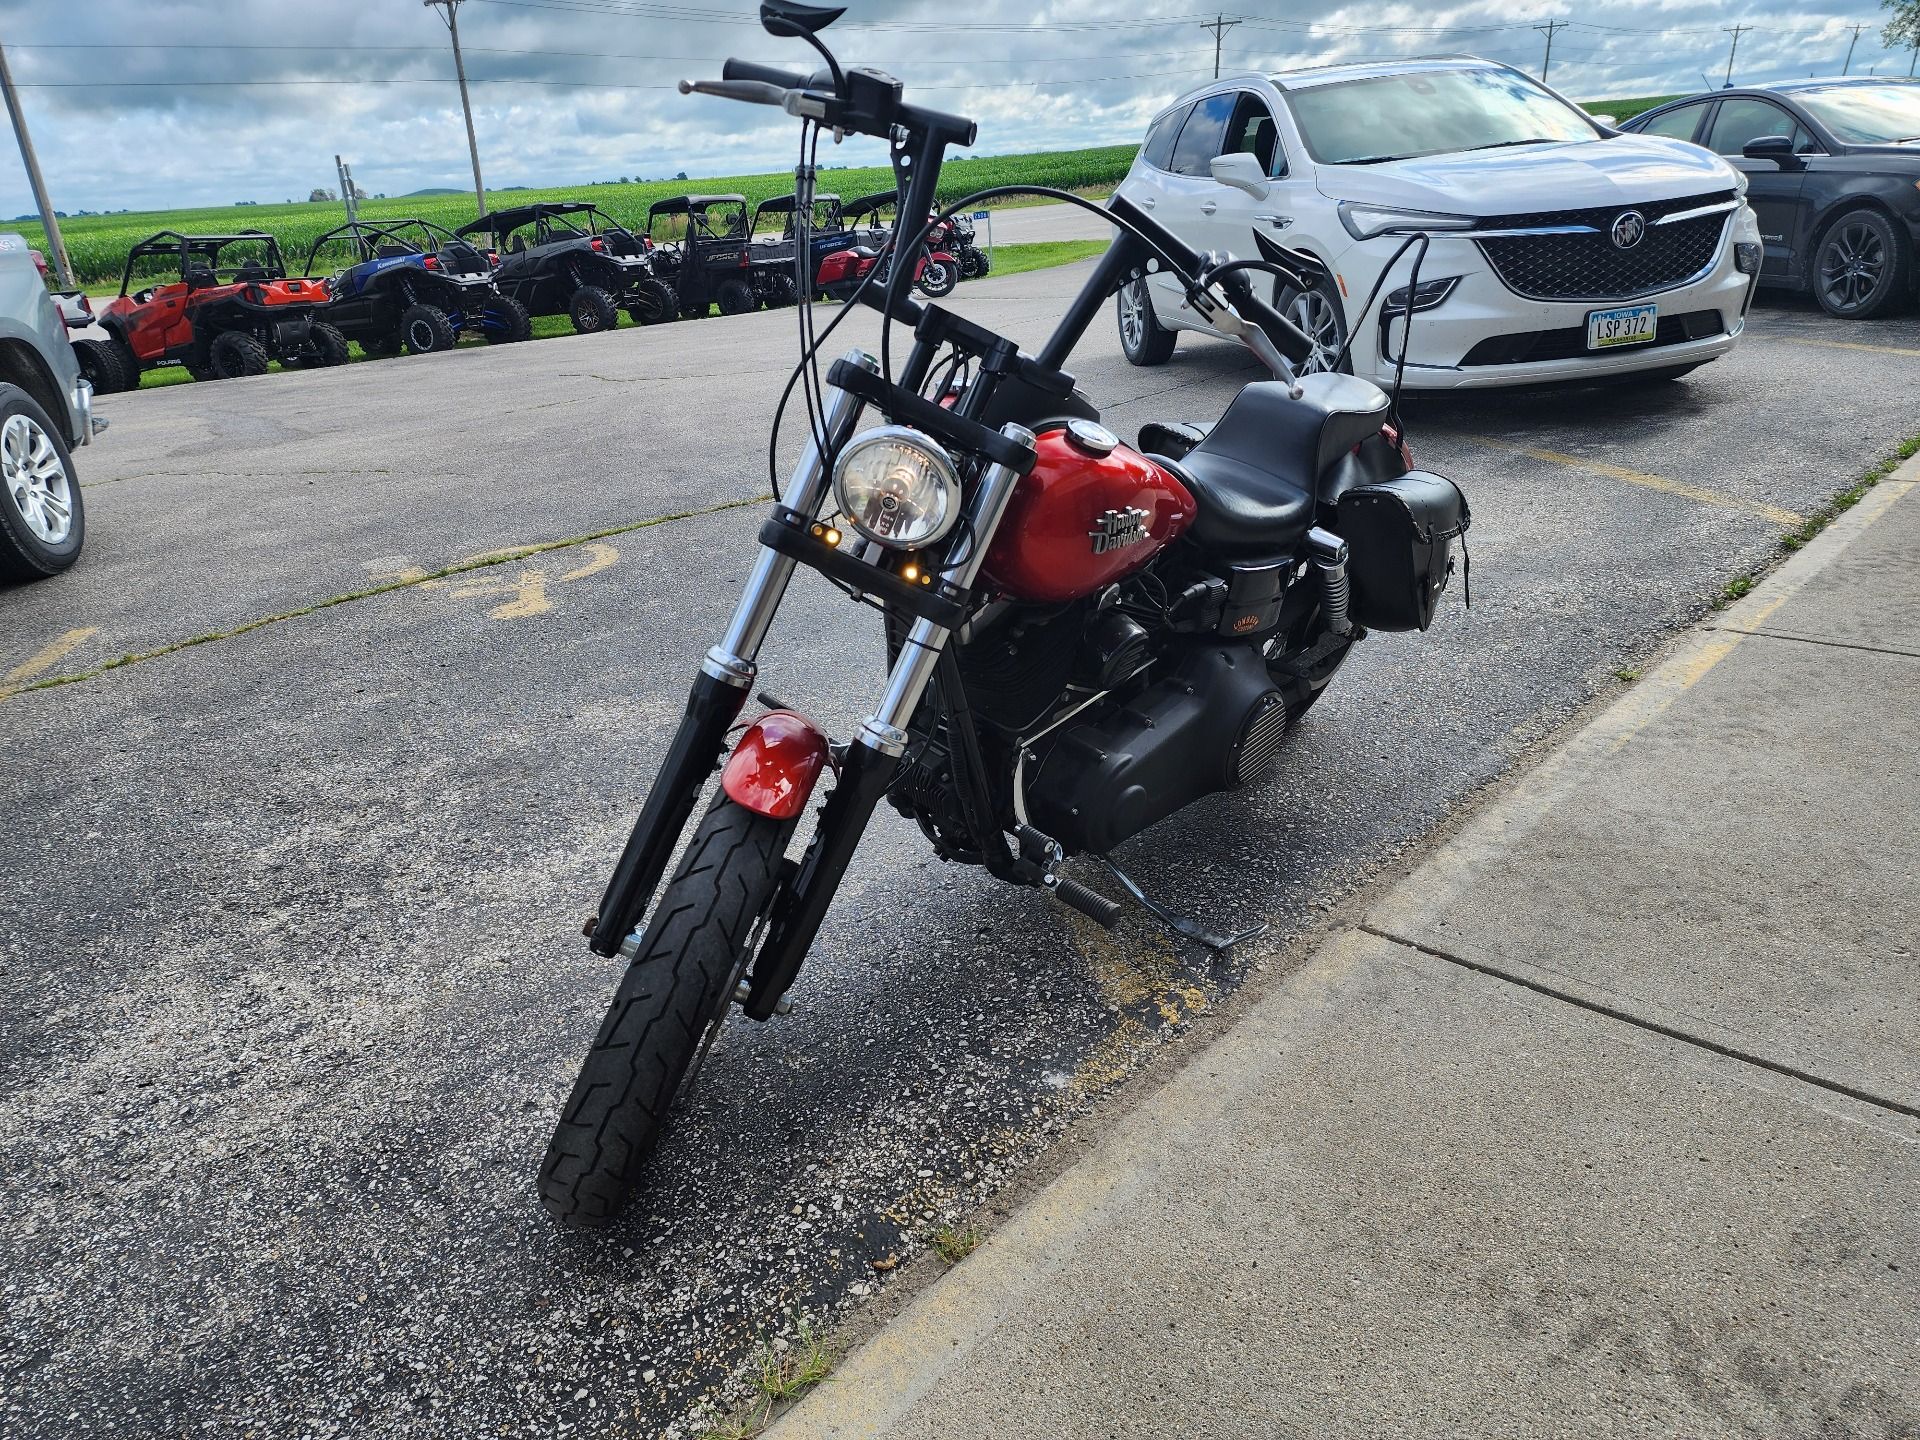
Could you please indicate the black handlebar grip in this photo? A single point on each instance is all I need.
(1288, 338)
(763, 74)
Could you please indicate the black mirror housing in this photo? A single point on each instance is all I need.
(1777, 148)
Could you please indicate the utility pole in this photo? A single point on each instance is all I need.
(466, 105)
(62, 267)
(1219, 25)
(1736, 31)
(345, 172)
(1851, 43)
(1548, 30)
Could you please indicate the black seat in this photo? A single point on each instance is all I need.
(1255, 474)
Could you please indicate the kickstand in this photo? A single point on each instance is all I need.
(1179, 924)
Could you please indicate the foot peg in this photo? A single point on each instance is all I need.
(1091, 903)
(1178, 924)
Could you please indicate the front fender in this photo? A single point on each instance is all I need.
(774, 768)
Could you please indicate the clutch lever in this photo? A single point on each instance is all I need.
(754, 92)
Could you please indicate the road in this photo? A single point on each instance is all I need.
(291, 960)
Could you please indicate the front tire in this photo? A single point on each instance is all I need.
(734, 296)
(42, 519)
(505, 321)
(593, 310)
(1143, 340)
(327, 346)
(100, 363)
(1863, 268)
(937, 279)
(653, 303)
(1317, 311)
(694, 949)
(425, 329)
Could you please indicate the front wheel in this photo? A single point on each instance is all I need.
(734, 296)
(693, 953)
(425, 329)
(1316, 310)
(937, 279)
(1143, 340)
(653, 303)
(1863, 268)
(100, 363)
(505, 321)
(327, 347)
(42, 519)
(592, 310)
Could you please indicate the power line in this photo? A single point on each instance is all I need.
(1850, 44)
(1549, 29)
(1736, 31)
(452, 17)
(1219, 25)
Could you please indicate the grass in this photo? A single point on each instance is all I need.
(1625, 110)
(1007, 260)
(953, 1243)
(98, 244)
(784, 1377)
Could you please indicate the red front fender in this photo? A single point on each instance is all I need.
(773, 769)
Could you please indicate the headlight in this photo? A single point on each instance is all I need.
(1363, 221)
(897, 486)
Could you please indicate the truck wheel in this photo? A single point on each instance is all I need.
(593, 310)
(425, 329)
(235, 354)
(42, 520)
(734, 297)
(327, 346)
(653, 303)
(100, 364)
(694, 951)
(506, 321)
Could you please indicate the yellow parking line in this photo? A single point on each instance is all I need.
(45, 659)
(1847, 345)
(1775, 513)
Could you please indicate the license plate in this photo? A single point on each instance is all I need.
(1630, 325)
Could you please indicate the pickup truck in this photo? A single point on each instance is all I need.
(46, 413)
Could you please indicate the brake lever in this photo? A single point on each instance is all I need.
(1218, 311)
(754, 92)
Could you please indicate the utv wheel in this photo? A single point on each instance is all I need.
(325, 346)
(506, 321)
(1142, 339)
(235, 354)
(970, 264)
(1862, 267)
(983, 264)
(130, 366)
(734, 297)
(100, 363)
(938, 279)
(425, 329)
(695, 949)
(593, 310)
(376, 346)
(42, 520)
(653, 303)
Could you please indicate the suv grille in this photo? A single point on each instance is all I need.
(1589, 266)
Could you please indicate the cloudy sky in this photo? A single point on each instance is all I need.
(158, 103)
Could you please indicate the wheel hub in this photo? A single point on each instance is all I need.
(35, 479)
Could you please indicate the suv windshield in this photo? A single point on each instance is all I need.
(1866, 114)
(1430, 112)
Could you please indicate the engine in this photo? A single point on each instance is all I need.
(1213, 722)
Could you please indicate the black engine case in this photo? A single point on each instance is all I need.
(1212, 723)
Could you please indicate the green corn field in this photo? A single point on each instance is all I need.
(98, 244)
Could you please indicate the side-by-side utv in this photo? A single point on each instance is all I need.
(221, 305)
(411, 284)
(568, 257)
(701, 248)
(772, 257)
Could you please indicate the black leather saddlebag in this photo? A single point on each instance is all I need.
(1400, 536)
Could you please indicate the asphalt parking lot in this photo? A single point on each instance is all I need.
(292, 962)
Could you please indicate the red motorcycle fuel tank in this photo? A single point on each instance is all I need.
(1092, 511)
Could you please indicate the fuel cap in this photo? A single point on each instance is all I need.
(1092, 438)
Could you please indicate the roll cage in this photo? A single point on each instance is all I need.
(549, 221)
(198, 258)
(386, 239)
(828, 214)
(702, 223)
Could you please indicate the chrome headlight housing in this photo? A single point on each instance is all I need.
(1364, 221)
(897, 487)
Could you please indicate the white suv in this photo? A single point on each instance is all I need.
(1561, 249)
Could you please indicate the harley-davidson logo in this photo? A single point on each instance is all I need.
(1629, 229)
(1118, 528)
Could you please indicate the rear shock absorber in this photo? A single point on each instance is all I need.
(1329, 554)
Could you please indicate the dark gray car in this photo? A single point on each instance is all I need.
(46, 411)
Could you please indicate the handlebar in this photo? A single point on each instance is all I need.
(763, 74)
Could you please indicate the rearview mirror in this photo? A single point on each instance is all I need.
(1242, 172)
(1777, 148)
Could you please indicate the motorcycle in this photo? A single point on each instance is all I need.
(963, 241)
(1084, 636)
(935, 272)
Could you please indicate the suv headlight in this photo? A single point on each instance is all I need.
(1365, 221)
(897, 486)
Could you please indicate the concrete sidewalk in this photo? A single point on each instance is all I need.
(1606, 1121)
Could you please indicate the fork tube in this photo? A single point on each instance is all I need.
(870, 765)
(719, 692)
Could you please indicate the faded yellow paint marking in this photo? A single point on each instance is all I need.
(600, 556)
(1133, 981)
(1674, 680)
(1850, 345)
(532, 599)
(45, 659)
(1701, 493)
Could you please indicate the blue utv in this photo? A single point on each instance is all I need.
(410, 284)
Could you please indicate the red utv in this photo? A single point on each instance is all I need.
(229, 312)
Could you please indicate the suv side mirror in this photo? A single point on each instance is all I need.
(1777, 148)
(1242, 172)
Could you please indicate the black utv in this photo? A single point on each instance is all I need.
(567, 257)
(870, 217)
(772, 269)
(411, 284)
(703, 250)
